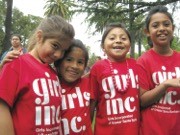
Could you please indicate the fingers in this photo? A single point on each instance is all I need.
(178, 82)
(172, 82)
(13, 54)
(10, 56)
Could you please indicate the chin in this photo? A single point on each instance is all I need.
(70, 80)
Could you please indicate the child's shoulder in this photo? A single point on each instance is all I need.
(85, 79)
(131, 60)
(100, 63)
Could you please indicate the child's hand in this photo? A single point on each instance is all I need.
(10, 56)
(172, 83)
(21, 51)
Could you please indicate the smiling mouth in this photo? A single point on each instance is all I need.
(118, 48)
(162, 36)
(73, 73)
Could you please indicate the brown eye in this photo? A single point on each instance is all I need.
(124, 38)
(55, 46)
(166, 24)
(154, 25)
(111, 38)
(68, 59)
(81, 62)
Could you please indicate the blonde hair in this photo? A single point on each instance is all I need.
(52, 27)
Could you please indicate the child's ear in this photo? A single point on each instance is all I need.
(39, 35)
(102, 47)
(146, 32)
(173, 27)
(104, 52)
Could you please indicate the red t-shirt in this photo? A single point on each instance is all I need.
(32, 90)
(75, 111)
(116, 113)
(163, 117)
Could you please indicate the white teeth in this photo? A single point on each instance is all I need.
(162, 36)
(118, 48)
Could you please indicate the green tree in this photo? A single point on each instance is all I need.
(24, 25)
(130, 12)
(2, 19)
(176, 43)
(59, 7)
(21, 24)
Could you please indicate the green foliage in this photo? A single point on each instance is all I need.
(92, 59)
(129, 12)
(176, 44)
(59, 7)
(21, 24)
(2, 20)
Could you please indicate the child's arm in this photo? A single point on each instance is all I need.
(93, 104)
(149, 97)
(6, 123)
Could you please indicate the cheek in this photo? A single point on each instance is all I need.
(45, 51)
(62, 67)
(129, 47)
(42, 52)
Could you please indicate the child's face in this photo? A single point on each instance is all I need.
(51, 50)
(73, 65)
(160, 29)
(116, 44)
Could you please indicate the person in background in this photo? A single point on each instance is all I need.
(114, 86)
(75, 110)
(15, 50)
(160, 77)
(30, 94)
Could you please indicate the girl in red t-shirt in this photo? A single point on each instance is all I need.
(75, 110)
(160, 77)
(114, 86)
(29, 88)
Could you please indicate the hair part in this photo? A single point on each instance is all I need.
(53, 27)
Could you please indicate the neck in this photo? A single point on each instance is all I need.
(17, 48)
(69, 83)
(162, 50)
(117, 60)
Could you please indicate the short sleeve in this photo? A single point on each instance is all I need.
(8, 84)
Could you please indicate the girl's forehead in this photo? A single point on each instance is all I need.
(76, 50)
(117, 31)
(159, 17)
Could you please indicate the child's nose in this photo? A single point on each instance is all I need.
(59, 54)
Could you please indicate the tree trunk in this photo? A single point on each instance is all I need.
(8, 20)
(131, 29)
